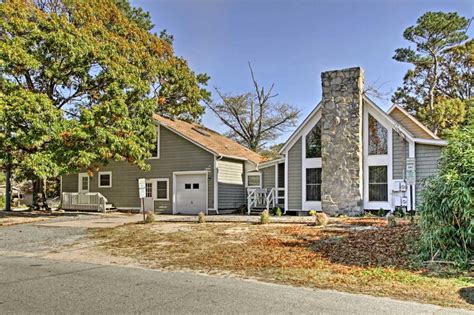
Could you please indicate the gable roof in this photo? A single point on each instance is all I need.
(413, 125)
(209, 140)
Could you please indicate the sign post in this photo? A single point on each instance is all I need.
(142, 194)
(411, 172)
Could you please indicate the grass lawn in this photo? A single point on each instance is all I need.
(353, 255)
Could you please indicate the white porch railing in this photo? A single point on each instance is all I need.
(260, 198)
(83, 201)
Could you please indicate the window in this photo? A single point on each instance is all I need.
(187, 186)
(105, 179)
(162, 189)
(313, 184)
(196, 186)
(378, 186)
(155, 152)
(149, 190)
(313, 142)
(254, 180)
(377, 137)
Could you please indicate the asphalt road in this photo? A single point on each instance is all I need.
(30, 285)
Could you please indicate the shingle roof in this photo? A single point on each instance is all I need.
(209, 139)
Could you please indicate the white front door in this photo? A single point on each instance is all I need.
(149, 202)
(83, 183)
(191, 193)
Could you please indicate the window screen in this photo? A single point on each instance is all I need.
(378, 186)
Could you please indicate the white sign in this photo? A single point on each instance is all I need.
(141, 187)
(411, 171)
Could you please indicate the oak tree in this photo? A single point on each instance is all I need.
(79, 82)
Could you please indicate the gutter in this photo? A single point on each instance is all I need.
(437, 142)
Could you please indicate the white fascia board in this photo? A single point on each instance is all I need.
(437, 142)
(295, 135)
(395, 125)
(271, 163)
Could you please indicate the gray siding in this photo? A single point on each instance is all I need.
(268, 177)
(231, 195)
(176, 154)
(295, 176)
(398, 158)
(427, 158)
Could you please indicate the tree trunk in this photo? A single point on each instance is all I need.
(36, 191)
(43, 195)
(8, 188)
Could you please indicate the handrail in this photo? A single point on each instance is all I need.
(250, 201)
(271, 194)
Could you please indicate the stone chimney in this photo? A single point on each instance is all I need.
(341, 141)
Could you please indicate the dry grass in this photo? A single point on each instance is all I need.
(360, 256)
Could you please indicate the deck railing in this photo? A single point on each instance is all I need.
(83, 201)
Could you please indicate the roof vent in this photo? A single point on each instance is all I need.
(201, 131)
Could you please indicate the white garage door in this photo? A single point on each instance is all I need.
(191, 193)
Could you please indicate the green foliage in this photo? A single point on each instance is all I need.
(277, 211)
(381, 212)
(79, 82)
(2, 202)
(436, 88)
(448, 113)
(201, 217)
(447, 207)
(265, 217)
(150, 217)
(313, 212)
(399, 212)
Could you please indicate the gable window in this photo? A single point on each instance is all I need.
(155, 152)
(254, 180)
(378, 186)
(313, 142)
(313, 184)
(378, 135)
(162, 189)
(105, 179)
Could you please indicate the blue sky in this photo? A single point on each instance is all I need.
(290, 43)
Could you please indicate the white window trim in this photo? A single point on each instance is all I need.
(377, 160)
(79, 182)
(155, 192)
(253, 174)
(98, 181)
(309, 163)
(158, 146)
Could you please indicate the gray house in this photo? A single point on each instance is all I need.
(193, 169)
(347, 156)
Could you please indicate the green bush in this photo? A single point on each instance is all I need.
(277, 211)
(265, 217)
(447, 207)
(2, 202)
